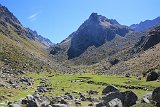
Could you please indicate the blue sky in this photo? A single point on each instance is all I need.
(56, 19)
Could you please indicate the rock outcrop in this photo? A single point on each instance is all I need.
(151, 39)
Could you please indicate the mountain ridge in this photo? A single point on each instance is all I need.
(144, 25)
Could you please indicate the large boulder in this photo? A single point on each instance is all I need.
(151, 76)
(109, 89)
(119, 99)
(110, 96)
(130, 98)
(156, 95)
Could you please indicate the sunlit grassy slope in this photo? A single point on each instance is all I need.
(22, 53)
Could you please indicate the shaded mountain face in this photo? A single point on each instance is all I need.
(94, 32)
(142, 26)
(152, 38)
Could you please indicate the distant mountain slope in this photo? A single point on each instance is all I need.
(21, 48)
(145, 25)
(146, 55)
(40, 38)
(96, 39)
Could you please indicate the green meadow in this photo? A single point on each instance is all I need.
(79, 82)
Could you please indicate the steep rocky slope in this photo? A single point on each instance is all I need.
(144, 56)
(20, 48)
(152, 38)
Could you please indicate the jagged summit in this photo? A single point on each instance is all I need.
(93, 16)
(95, 31)
(97, 18)
(101, 19)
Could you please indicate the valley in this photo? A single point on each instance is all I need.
(101, 64)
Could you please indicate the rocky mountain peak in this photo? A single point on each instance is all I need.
(94, 17)
(95, 31)
(99, 19)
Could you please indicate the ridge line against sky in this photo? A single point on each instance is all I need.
(57, 19)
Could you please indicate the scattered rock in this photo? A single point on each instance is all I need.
(59, 105)
(92, 92)
(41, 89)
(77, 102)
(139, 78)
(63, 101)
(146, 98)
(82, 98)
(69, 96)
(100, 105)
(128, 75)
(151, 76)
(24, 101)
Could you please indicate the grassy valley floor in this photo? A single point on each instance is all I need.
(78, 83)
